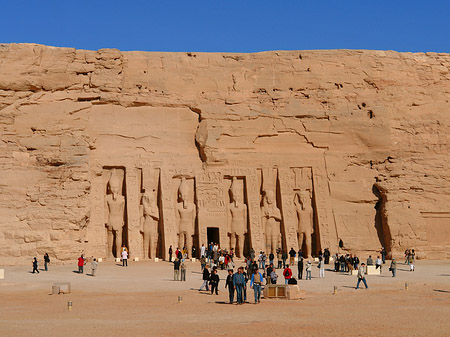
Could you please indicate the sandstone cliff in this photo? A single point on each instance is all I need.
(373, 125)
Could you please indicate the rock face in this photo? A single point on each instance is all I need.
(361, 137)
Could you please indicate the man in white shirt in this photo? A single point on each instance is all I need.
(203, 251)
(378, 262)
(124, 258)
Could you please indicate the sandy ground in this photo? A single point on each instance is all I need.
(141, 300)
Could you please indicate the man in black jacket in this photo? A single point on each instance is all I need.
(300, 267)
(214, 282)
(176, 269)
(229, 284)
(205, 278)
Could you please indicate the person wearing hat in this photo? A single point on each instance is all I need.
(393, 267)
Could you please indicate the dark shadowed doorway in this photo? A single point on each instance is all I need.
(213, 235)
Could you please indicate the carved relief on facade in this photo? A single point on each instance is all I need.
(150, 214)
(115, 211)
(270, 211)
(185, 214)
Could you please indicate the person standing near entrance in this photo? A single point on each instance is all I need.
(176, 269)
(292, 255)
(214, 282)
(183, 270)
(284, 257)
(124, 258)
(239, 285)
(361, 276)
(170, 253)
(308, 270)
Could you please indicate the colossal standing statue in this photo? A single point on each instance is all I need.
(237, 220)
(271, 217)
(115, 206)
(150, 224)
(302, 202)
(185, 214)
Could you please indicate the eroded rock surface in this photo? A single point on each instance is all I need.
(371, 127)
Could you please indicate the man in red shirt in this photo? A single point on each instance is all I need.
(81, 263)
(287, 273)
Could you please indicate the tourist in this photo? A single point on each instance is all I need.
(321, 267)
(393, 267)
(300, 266)
(252, 254)
(35, 265)
(284, 257)
(255, 283)
(183, 270)
(170, 253)
(239, 284)
(260, 259)
(383, 255)
(370, 261)
(214, 282)
(124, 258)
(326, 256)
(203, 251)
(378, 263)
(355, 262)
(407, 252)
(361, 276)
(271, 258)
(342, 263)
(222, 261)
(411, 261)
(268, 272)
(229, 284)
(245, 284)
(336, 262)
(203, 262)
(176, 269)
(205, 279)
(287, 273)
(308, 270)
(194, 252)
(273, 277)
(124, 248)
(292, 255)
(263, 260)
(81, 263)
(46, 261)
(279, 258)
(320, 253)
(94, 265)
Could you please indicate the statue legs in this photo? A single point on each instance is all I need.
(189, 244)
(241, 245)
(146, 235)
(153, 238)
(308, 244)
(110, 240)
(181, 240)
(300, 241)
(118, 242)
(233, 241)
(273, 243)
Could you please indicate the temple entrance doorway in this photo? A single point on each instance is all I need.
(213, 235)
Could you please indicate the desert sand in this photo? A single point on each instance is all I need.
(142, 300)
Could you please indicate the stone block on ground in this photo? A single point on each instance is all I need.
(100, 259)
(61, 288)
(136, 259)
(117, 259)
(294, 292)
(2, 274)
(372, 270)
(355, 272)
(156, 259)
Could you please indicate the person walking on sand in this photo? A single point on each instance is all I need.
(35, 266)
(176, 269)
(255, 283)
(239, 284)
(81, 263)
(205, 278)
(94, 265)
(393, 267)
(46, 261)
(229, 284)
(214, 282)
(361, 276)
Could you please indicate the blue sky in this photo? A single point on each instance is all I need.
(229, 26)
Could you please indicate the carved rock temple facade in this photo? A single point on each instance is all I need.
(102, 148)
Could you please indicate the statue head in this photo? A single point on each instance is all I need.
(183, 192)
(234, 189)
(114, 183)
(270, 197)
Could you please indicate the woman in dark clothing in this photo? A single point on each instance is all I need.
(214, 282)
